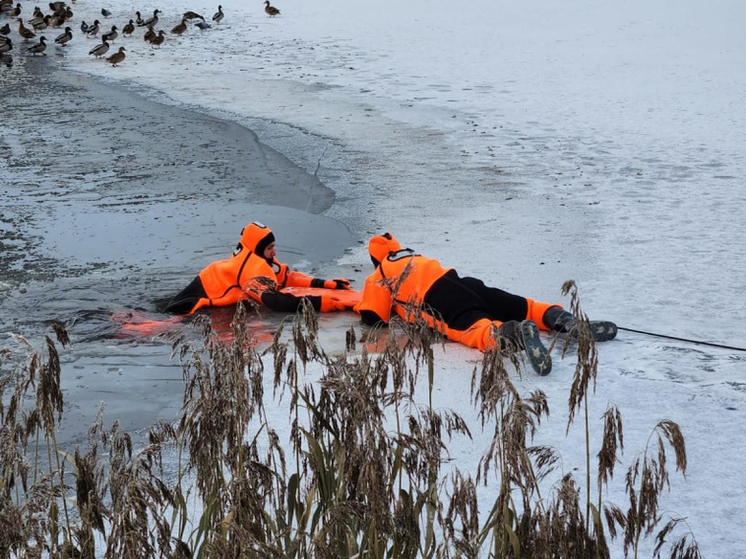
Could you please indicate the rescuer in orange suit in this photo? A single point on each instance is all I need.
(252, 271)
(464, 309)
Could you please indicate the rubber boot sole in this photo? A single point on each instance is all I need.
(603, 331)
(537, 354)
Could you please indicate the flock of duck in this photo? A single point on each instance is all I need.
(60, 14)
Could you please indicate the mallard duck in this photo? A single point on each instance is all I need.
(139, 21)
(192, 15)
(153, 21)
(179, 29)
(157, 41)
(5, 29)
(128, 29)
(38, 13)
(68, 13)
(93, 29)
(99, 50)
(57, 21)
(39, 47)
(117, 57)
(111, 35)
(43, 24)
(55, 6)
(271, 11)
(149, 35)
(15, 12)
(219, 15)
(6, 46)
(5, 3)
(25, 32)
(65, 37)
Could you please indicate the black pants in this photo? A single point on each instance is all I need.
(460, 302)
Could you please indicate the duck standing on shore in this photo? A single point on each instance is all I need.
(149, 35)
(128, 29)
(111, 35)
(43, 24)
(271, 11)
(6, 45)
(93, 29)
(39, 47)
(99, 50)
(117, 57)
(157, 41)
(153, 21)
(180, 28)
(5, 29)
(65, 37)
(219, 15)
(24, 31)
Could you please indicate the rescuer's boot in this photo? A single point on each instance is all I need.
(526, 336)
(560, 320)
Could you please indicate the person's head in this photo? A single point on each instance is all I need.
(259, 239)
(380, 246)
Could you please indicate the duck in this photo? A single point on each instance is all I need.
(36, 19)
(93, 29)
(65, 37)
(111, 35)
(219, 15)
(57, 21)
(5, 3)
(43, 24)
(25, 32)
(153, 21)
(56, 6)
(6, 46)
(149, 35)
(84, 27)
(271, 11)
(68, 13)
(139, 21)
(128, 29)
(192, 15)
(105, 12)
(157, 41)
(15, 12)
(39, 47)
(117, 57)
(179, 29)
(5, 29)
(99, 50)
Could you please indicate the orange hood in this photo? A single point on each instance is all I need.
(256, 237)
(380, 246)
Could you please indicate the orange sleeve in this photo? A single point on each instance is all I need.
(298, 279)
(376, 298)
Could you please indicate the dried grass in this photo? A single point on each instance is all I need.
(347, 485)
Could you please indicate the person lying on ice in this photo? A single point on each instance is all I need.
(464, 309)
(253, 272)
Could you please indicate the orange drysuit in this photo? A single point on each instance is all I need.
(247, 273)
(463, 309)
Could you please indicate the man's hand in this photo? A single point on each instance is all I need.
(337, 283)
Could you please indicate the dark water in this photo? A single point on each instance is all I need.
(110, 203)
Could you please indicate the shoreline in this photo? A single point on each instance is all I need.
(117, 202)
